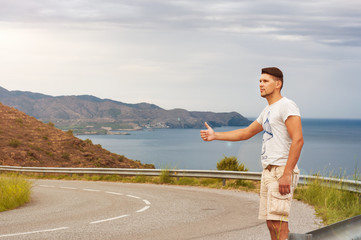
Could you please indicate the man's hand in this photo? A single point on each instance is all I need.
(285, 184)
(209, 134)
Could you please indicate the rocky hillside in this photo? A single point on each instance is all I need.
(26, 141)
(88, 113)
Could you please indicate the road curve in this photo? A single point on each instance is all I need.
(107, 210)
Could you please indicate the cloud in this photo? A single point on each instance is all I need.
(326, 22)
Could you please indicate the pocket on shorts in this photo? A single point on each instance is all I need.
(279, 172)
(280, 204)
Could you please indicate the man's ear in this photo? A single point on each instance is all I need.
(279, 84)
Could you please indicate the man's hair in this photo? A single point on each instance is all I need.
(273, 71)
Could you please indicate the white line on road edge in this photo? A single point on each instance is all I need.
(143, 209)
(50, 186)
(91, 190)
(95, 222)
(114, 193)
(109, 219)
(133, 196)
(72, 188)
(39, 231)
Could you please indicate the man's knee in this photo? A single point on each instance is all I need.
(278, 229)
(270, 225)
(277, 226)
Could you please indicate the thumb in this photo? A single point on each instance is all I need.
(207, 126)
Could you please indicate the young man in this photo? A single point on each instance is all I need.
(280, 122)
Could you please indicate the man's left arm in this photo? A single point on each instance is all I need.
(294, 128)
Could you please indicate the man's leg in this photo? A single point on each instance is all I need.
(278, 229)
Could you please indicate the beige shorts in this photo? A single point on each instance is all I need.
(273, 205)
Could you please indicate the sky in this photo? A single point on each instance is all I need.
(199, 55)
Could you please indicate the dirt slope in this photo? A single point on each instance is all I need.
(25, 141)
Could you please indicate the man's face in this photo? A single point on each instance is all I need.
(268, 84)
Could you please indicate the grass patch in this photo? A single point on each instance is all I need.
(14, 191)
(331, 205)
(140, 179)
(187, 181)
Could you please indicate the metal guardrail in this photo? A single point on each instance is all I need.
(139, 172)
(348, 229)
(345, 184)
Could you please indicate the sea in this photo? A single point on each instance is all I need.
(332, 148)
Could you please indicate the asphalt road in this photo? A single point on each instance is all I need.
(106, 210)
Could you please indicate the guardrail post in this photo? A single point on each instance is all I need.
(224, 182)
(177, 176)
(299, 236)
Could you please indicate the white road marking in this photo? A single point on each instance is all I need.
(91, 190)
(71, 188)
(114, 193)
(109, 219)
(133, 196)
(94, 222)
(143, 209)
(39, 231)
(49, 186)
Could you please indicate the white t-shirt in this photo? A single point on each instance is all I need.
(276, 140)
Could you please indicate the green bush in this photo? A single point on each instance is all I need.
(211, 182)
(244, 183)
(121, 158)
(231, 164)
(66, 156)
(14, 143)
(95, 178)
(114, 178)
(140, 179)
(165, 177)
(88, 141)
(19, 121)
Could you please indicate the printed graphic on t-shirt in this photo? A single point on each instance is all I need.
(267, 135)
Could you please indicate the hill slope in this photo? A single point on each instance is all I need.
(81, 111)
(25, 141)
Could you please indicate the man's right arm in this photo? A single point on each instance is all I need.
(235, 135)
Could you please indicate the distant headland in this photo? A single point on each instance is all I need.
(86, 114)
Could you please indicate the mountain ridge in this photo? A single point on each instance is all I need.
(80, 111)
